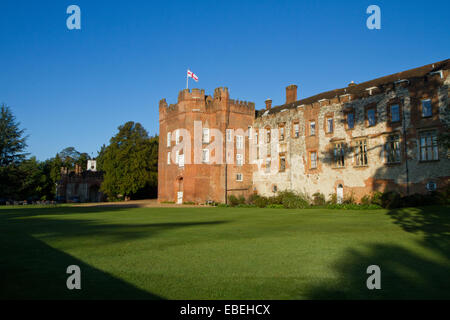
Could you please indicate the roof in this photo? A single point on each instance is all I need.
(361, 87)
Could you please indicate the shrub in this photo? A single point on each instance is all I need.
(412, 200)
(349, 199)
(333, 199)
(353, 206)
(319, 199)
(252, 198)
(244, 205)
(391, 200)
(376, 198)
(232, 200)
(275, 206)
(366, 200)
(444, 196)
(223, 205)
(278, 199)
(291, 200)
(261, 202)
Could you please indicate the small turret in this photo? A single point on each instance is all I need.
(221, 93)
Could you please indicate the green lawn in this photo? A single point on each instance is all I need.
(224, 253)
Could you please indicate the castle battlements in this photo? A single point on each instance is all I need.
(195, 100)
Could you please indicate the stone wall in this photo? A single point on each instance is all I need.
(409, 173)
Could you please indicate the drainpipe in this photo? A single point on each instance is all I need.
(225, 153)
(406, 147)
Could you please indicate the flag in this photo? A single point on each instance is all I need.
(192, 75)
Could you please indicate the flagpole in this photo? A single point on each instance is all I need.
(187, 80)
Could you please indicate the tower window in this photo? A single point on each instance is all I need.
(426, 108)
(395, 113)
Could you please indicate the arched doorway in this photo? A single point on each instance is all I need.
(340, 193)
(180, 191)
(94, 193)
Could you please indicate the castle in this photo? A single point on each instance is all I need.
(379, 135)
(80, 185)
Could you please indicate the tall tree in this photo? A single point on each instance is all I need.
(12, 139)
(12, 146)
(128, 162)
(69, 156)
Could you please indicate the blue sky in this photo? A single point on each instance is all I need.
(75, 87)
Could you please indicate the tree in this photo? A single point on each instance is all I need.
(129, 162)
(69, 157)
(32, 179)
(12, 141)
(12, 145)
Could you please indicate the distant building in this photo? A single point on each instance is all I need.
(80, 185)
(379, 135)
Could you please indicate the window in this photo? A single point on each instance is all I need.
(205, 155)
(177, 136)
(250, 132)
(181, 160)
(428, 146)
(168, 157)
(282, 163)
(239, 159)
(268, 163)
(274, 188)
(281, 133)
(312, 128)
(296, 130)
(329, 125)
(268, 135)
(350, 120)
(361, 152)
(205, 135)
(392, 149)
(371, 117)
(313, 160)
(339, 155)
(169, 136)
(239, 177)
(229, 135)
(395, 113)
(426, 108)
(239, 142)
(256, 137)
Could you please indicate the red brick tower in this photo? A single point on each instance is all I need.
(193, 144)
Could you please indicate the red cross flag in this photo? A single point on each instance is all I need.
(192, 75)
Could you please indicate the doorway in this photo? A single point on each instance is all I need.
(180, 191)
(340, 194)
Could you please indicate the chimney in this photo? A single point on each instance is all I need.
(291, 93)
(268, 104)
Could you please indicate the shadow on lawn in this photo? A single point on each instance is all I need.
(31, 269)
(405, 274)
